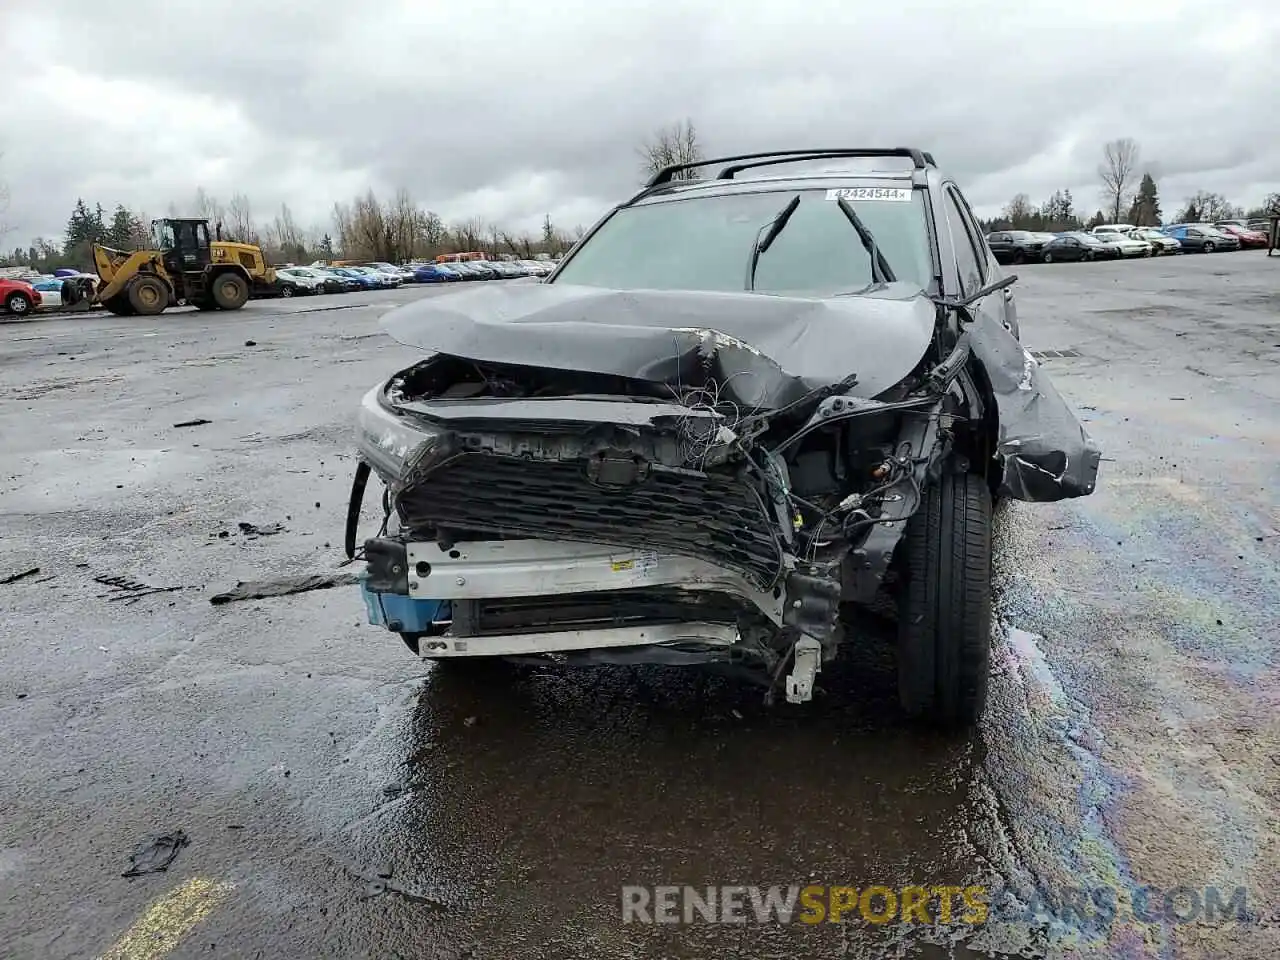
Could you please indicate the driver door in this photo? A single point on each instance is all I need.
(190, 253)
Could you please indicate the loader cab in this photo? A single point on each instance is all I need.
(184, 244)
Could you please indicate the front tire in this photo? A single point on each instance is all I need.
(1208, 247)
(119, 305)
(18, 304)
(230, 291)
(944, 616)
(148, 295)
(1048, 258)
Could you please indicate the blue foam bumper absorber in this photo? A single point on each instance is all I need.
(403, 614)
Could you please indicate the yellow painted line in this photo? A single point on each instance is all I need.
(168, 920)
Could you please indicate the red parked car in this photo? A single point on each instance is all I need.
(18, 297)
(1247, 237)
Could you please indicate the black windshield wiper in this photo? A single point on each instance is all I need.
(765, 237)
(881, 272)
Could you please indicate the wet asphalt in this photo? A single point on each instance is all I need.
(342, 799)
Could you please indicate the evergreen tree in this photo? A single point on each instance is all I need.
(1145, 210)
(326, 247)
(123, 229)
(79, 227)
(85, 227)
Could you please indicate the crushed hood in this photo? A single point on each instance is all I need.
(766, 351)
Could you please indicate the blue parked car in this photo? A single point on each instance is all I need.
(365, 280)
(434, 273)
(1201, 238)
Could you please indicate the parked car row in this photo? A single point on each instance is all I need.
(20, 296)
(482, 270)
(1116, 241)
(377, 275)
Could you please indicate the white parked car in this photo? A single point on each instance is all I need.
(1124, 244)
(1161, 243)
(1114, 228)
(538, 268)
(405, 274)
(300, 279)
(50, 289)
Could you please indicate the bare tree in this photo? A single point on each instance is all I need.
(431, 228)
(343, 226)
(677, 143)
(209, 207)
(362, 228)
(285, 238)
(1118, 171)
(1206, 207)
(239, 223)
(492, 238)
(402, 227)
(1018, 211)
(467, 235)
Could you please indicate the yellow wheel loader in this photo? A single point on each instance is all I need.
(184, 266)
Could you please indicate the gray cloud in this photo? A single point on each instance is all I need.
(511, 110)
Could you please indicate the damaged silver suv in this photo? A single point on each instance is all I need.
(736, 405)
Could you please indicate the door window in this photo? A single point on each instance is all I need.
(966, 256)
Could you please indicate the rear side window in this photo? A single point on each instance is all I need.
(967, 256)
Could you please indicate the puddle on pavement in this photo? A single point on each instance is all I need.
(518, 801)
(1051, 836)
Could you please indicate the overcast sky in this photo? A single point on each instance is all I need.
(511, 110)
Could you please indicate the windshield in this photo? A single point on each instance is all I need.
(705, 243)
(162, 233)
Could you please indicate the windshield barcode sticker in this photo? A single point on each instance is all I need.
(899, 194)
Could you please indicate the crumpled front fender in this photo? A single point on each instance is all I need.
(1044, 451)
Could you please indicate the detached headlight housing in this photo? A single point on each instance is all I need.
(390, 442)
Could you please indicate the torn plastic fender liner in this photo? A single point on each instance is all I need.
(1044, 450)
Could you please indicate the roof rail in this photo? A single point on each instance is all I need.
(666, 174)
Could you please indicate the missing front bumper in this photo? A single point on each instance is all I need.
(572, 602)
(690, 637)
(510, 597)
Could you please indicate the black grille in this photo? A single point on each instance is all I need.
(622, 608)
(715, 518)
